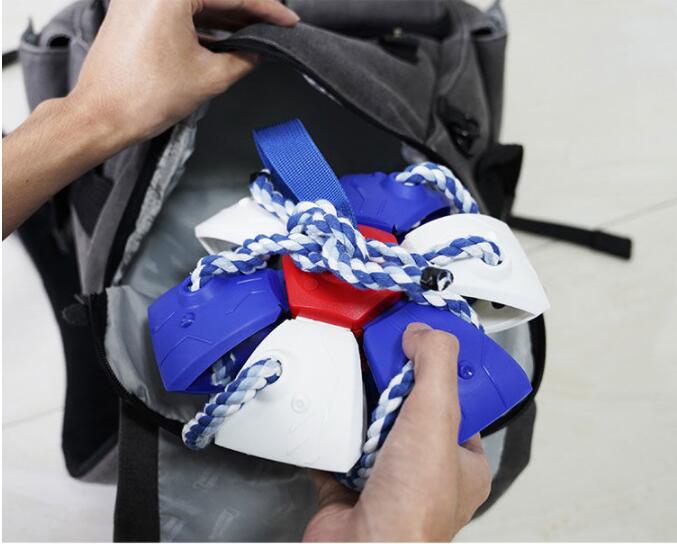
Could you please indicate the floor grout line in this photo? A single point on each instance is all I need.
(641, 213)
(14, 423)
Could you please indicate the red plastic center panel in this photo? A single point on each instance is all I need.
(324, 297)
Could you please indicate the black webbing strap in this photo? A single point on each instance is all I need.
(90, 421)
(598, 240)
(137, 517)
(9, 57)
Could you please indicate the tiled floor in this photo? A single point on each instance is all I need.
(591, 91)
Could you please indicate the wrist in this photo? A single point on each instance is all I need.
(101, 130)
(60, 141)
(78, 135)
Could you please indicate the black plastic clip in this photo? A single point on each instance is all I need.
(436, 279)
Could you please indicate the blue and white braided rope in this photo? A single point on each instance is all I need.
(441, 178)
(224, 370)
(382, 419)
(199, 431)
(318, 239)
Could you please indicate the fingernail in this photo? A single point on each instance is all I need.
(415, 327)
(293, 15)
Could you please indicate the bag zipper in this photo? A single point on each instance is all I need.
(97, 304)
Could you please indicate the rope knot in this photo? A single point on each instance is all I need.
(320, 239)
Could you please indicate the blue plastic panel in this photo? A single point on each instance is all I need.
(381, 202)
(234, 361)
(490, 381)
(191, 330)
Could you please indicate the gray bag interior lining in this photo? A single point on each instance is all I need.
(218, 163)
(216, 175)
(220, 495)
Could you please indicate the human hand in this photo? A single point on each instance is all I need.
(424, 487)
(146, 69)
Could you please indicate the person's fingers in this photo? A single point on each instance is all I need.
(474, 444)
(331, 491)
(434, 348)
(270, 11)
(205, 39)
(427, 425)
(222, 20)
(435, 357)
(475, 476)
(224, 69)
(475, 481)
(416, 474)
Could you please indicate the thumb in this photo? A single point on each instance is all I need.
(331, 491)
(224, 69)
(435, 357)
(420, 455)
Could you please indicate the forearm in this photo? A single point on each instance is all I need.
(144, 72)
(60, 141)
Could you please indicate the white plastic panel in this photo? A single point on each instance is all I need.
(233, 225)
(513, 283)
(313, 415)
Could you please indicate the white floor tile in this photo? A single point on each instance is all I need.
(603, 463)
(40, 502)
(590, 90)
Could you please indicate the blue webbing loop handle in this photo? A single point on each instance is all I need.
(296, 164)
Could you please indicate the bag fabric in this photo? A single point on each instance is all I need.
(379, 84)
